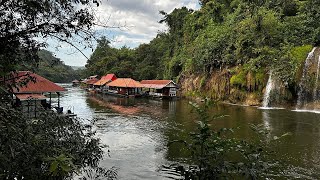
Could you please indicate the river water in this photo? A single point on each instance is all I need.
(138, 131)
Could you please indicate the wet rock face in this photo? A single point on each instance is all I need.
(249, 88)
(252, 100)
(308, 89)
(238, 86)
(215, 85)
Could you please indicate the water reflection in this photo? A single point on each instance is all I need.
(75, 100)
(266, 120)
(136, 146)
(136, 141)
(266, 124)
(138, 132)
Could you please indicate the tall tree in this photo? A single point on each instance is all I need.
(24, 22)
(50, 146)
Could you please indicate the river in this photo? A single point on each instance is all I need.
(137, 132)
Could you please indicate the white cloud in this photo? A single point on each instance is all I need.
(193, 4)
(140, 18)
(123, 40)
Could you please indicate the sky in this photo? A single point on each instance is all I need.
(140, 18)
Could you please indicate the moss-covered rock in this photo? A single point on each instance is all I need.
(239, 78)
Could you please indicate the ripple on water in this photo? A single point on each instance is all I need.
(307, 110)
(270, 108)
(136, 145)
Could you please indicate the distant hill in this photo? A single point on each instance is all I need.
(53, 68)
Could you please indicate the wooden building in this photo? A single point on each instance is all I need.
(75, 82)
(125, 87)
(160, 88)
(30, 98)
(88, 82)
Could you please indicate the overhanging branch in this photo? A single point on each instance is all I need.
(70, 43)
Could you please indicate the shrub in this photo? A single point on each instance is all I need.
(47, 147)
(239, 79)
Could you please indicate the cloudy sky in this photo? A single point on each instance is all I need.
(140, 17)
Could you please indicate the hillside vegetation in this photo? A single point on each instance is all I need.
(52, 68)
(231, 43)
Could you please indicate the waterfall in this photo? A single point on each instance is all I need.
(302, 84)
(315, 94)
(269, 87)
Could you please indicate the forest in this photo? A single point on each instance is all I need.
(54, 69)
(241, 38)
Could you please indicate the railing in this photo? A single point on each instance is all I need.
(113, 91)
(155, 94)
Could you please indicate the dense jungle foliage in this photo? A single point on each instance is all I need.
(54, 69)
(241, 36)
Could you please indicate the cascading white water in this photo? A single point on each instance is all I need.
(269, 87)
(315, 94)
(302, 84)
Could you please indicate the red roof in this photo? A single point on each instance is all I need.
(105, 79)
(30, 96)
(125, 82)
(156, 84)
(41, 84)
(111, 77)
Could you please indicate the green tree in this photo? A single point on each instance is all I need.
(103, 58)
(52, 68)
(23, 23)
(106, 59)
(48, 147)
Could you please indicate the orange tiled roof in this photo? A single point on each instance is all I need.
(102, 82)
(125, 82)
(156, 84)
(41, 84)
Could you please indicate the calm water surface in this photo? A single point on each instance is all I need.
(137, 132)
